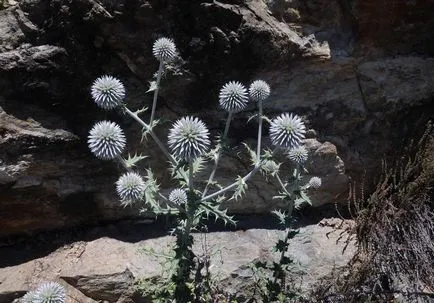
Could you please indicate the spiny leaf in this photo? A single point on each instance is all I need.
(240, 190)
(132, 161)
(253, 155)
(152, 86)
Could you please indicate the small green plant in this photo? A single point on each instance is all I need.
(188, 150)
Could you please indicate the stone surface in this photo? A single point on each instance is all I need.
(363, 81)
(106, 268)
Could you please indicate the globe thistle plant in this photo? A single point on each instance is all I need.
(314, 182)
(287, 130)
(106, 140)
(50, 292)
(107, 92)
(130, 188)
(29, 297)
(188, 138)
(164, 49)
(178, 196)
(298, 154)
(259, 90)
(233, 97)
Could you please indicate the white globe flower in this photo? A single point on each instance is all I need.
(29, 297)
(107, 92)
(259, 90)
(130, 188)
(233, 97)
(164, 49)
(106, 140)
(298, 154)
(188, 138)
(50, 292)
(287, 130)
(314, 182)
(178, 196)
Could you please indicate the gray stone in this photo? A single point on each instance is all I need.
(105, 269)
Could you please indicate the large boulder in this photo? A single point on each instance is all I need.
(364, 82)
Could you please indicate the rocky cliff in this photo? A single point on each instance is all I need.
(361, 72)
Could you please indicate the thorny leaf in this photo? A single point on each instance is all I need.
(241, 188)
(132, 161)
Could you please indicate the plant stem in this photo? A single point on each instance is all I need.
(153, 135)
(155, 138)
(251, 173)
(258, 149)
(190, 175)
(154, 102)
(223, 139)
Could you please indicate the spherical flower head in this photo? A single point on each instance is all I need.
(29, 297)
(130, 188)
(270, 167)
(50, 292)
(188, 138)
(259, 90)
(298, 154)
(314, 182)
(106, 140)
(233, 97)
(178, 196)
(164, 49)
(107, 92)
(287, 130)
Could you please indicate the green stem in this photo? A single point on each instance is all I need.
(217, 160)
(258, 149)
(190, 175)
(251, 173)
(155, 138)
(154, 102)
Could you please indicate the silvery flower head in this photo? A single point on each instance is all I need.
(188, 138)
(270, 167)
(298, 154)
(259, 90)
(164, 49)
(178, 196)
(314, 182)
(287, 130)
(107, 92)
(233, 97)
(50, 292)
(106, 140)
(130, 188)
(29, 297)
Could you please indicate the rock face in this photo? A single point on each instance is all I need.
(364, 82)
(93, 276)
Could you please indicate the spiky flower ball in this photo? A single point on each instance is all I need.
(287, 130)
(259, 90)
(50, 292)
(164, 49)
(314, 182)
(298, 154)
(130, 188)
(106, 140)
(270, 167)
(29, 297)
(188, 138)
(107, 92)
(233, 97)
(178, 196)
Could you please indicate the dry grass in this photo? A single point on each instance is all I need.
(395, 234)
